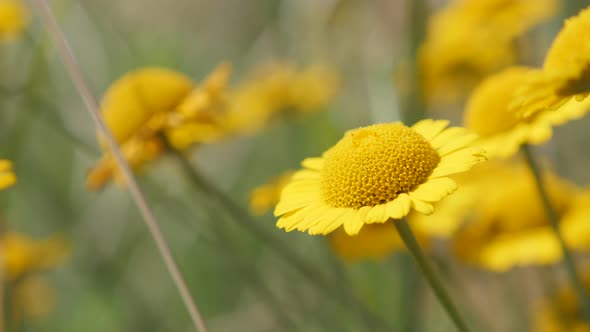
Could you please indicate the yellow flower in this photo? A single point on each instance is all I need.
(566, 71)
(200, 118)
(14, 18)
(501, 130)
(22, 255)
(145, 104)
(266, 196)
(374, 174)
(508, 225)
(470, 40)
(560, 313)
(33, 298)
(375, 241)
(276, 88)
(7, 177)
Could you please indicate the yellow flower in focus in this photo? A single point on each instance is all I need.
(376, 241)
(14, 18)
(501, 130)
(470, 40)
(508, 225)
(566, 71)
(21, 254)
(276, 88)
(560, 313)
(33, 298)
(145, 104)
(7, 177)
(377, 173)
(266, 196)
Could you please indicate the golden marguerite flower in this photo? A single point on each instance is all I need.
(7, 177)
(561, 312)
(14, 18)
(279, 87)
(22, 254)
(508, 225)
(565, 74)
(469, 40)
(377, 173)
(374, 241)
(265, 197)
(149, 103)
(502, 131)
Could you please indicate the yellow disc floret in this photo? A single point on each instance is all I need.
(372, 165)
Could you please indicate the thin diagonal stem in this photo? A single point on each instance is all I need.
(406, 234)
(568, 259)
(315, 278)
(60, 42)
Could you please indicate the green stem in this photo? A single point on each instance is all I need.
(406, 234)
(568, 259)
(344, 296)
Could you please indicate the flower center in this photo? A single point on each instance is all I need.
(372, 165)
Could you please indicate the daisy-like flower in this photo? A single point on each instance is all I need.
(149, 103)
(276, 88)
(560, 312)
(502, 131)
(266, 196)
(377, 173)
(23, 255)
(7, 177)
(508, 225)
(14, 18)
(469, 40)
(565, 74)
(375, 241)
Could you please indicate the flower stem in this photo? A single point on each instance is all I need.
(568, 259)
(342, 295)
(405, 232)
(64, 51)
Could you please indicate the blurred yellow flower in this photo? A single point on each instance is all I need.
(14, 17)
(469, 40)
(145, 104)
(560, 313)
(376, 173)
(508, 225)
(375, 241)
(500, 129)
(22, 255)
(266, 196)
(566, 71)
(33, 298)
(279, 87)
(7, 177)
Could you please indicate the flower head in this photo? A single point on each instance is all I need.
(565, 74)
(501, 130)
(470, 40)
(508, 225)
(145, 105)
(276, 88)
(23, 255)
(376, 173)
(14, 18)
(7, 177)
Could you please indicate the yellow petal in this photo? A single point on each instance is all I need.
(377, 214)
(433, 190)
(430, 128)
(399, 207)
(313, 163)
(422, 207)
